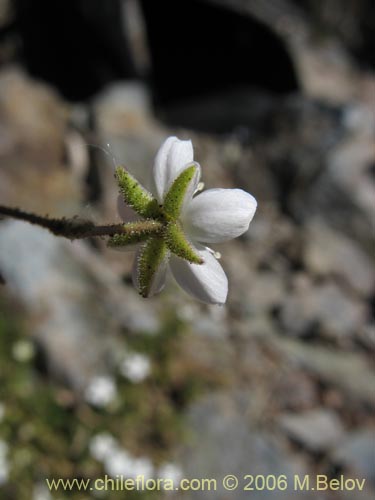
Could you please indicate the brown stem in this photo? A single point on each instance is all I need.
(68, 228)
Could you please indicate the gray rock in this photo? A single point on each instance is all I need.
(329, 253)
(267, 291)
(296, 391)
(316, 430)
(357, 453)
(69, 300)
(348, 371)
(222, 442)
(326, 308)
(59, 300)
(367, 336)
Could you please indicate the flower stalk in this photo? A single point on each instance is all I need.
(76, 228)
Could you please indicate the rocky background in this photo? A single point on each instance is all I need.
(278, 99)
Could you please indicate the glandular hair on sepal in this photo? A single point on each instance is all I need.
(136, 196)
(175, 197)
(151, 259)
(178, 243)
(135, 232)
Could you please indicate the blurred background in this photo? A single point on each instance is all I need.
(278, 98)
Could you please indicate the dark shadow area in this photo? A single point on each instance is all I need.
(198, 48)
(77, 45)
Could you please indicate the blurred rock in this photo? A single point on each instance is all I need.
(348, 371)
(70, 299)
(329, 253)
(367, 336)
(267, 291)
(222, 442)
(357, 453)
(296, 390)
(33, 121)
(64, 316)
(316, 430)
(343, 190)
(323, 309)
(35, 117)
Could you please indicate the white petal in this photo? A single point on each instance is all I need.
(170, 160)
(219, 215)
(160, 166)
(159, 278)
(206, 282)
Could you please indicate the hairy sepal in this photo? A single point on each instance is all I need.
(178, 244)
(136, 196)
(135, 232)
(177, 193)
(152, 256)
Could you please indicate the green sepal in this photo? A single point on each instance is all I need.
(179, 245)
(152, 256)
(175, 197)
(135, 232)
(136, 196)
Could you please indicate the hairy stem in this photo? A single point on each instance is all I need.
(73, 228)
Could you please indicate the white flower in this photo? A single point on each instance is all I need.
(23, 351)
(121, 463)
(102, 446)
(170, 471)
(41, 492)
(135, 367)
(101, 391)
(214, 216)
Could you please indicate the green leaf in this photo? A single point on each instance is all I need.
(136, 196)
(175, 197)
(179, 245)
(135, 232)
(153, 255)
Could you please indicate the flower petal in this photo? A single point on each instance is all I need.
(170, 160)
(206, 282)
(219, 215)
(150, 267)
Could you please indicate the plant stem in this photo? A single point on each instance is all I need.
(75, 228)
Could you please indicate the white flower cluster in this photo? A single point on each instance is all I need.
(119, 462)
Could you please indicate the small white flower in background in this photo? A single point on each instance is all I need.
(117, 461)
(102, 446)
(101, 391)
(182, 225)
(23, 351)
(122, 463)
(4, 466)
(41, 492)
(170, 471)
(135, 367)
